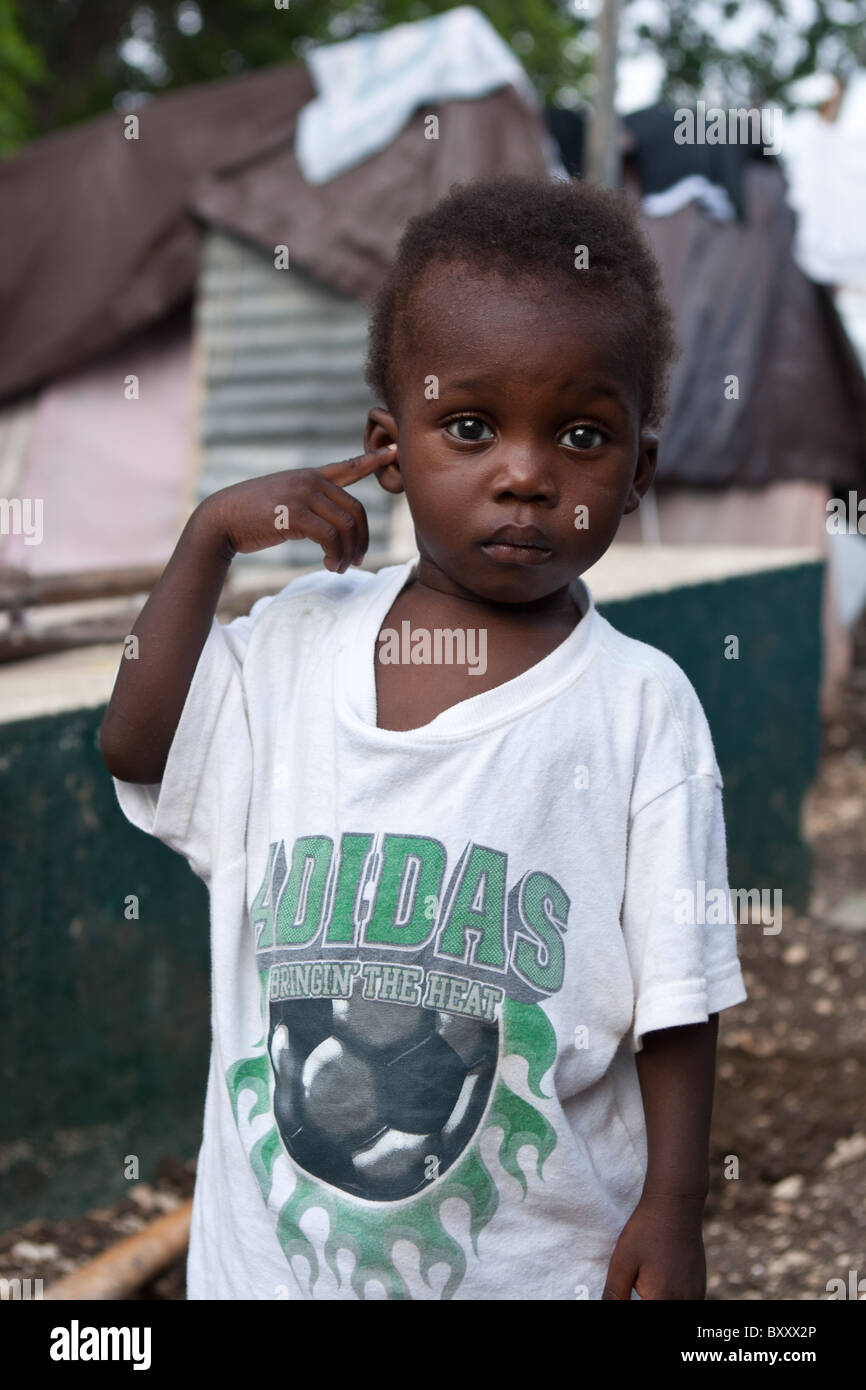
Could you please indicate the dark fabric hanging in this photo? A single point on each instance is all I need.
(744, 309)
(661, 162)
(101, 236)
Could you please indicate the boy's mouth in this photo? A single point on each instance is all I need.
(518, 545)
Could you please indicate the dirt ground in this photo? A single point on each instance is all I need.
(791, 1079)
(787, 1210)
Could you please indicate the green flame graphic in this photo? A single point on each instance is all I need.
(369, 1230)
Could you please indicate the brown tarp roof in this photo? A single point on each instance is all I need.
(102, 235)
(744, 308)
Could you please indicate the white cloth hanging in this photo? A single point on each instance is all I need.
(369, 86)
(825, 166)
(693, 189)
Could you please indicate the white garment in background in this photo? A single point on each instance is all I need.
(825, 168)
(369, 86)
(695, 188)
(528, 844)
(846, 555)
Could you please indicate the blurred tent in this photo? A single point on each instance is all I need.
(155, 345)
(120, 411)
(767, 413)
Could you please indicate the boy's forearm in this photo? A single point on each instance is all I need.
(150, 689)
(676, 1070)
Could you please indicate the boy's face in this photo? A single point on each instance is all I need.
(535, 425)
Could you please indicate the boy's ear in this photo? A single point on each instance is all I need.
(381, 429)
(645, 468)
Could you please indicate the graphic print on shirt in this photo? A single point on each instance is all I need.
(391, 994)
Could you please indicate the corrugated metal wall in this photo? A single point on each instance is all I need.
(283, 383)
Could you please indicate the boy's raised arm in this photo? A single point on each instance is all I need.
(172, 627)
(151, 689)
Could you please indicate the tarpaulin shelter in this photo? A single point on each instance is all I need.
(109, 239)
(767, 415)
(746, 312)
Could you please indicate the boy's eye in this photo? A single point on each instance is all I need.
(585, 437)
(470, 429)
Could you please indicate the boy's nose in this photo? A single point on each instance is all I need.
(524, 471)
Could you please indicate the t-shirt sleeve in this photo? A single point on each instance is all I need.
(200, 807)
(676, 919)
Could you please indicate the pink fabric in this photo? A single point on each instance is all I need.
(113, 474)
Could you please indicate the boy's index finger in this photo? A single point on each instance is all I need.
(348, 471)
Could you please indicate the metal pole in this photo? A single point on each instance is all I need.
(604, 160)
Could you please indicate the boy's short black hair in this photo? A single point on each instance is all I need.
(530, 226)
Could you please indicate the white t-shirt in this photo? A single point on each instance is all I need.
(435, 952)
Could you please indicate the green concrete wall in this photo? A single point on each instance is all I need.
(106, 1018)
(762, 708)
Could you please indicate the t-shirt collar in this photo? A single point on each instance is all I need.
(355, 693)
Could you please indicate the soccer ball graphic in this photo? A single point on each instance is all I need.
(375, 1098)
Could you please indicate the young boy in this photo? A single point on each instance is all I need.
(463, 1040)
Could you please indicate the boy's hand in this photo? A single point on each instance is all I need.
(300, 503)
(660, 1251)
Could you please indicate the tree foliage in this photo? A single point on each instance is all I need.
(63, 60)
(21, 69)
